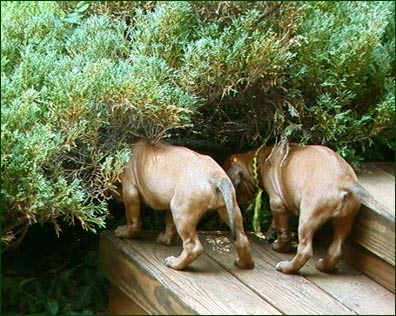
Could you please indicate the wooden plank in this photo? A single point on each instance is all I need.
(346, 285)
(136, 267)
(130, 273)
(377, 269)
(359, 257)
(376, 233)
(375, 230)
(292, 294)
(355, 290)
(386, 166)
(380, 183)
(346, 292)
(212, 288)
(120, 304)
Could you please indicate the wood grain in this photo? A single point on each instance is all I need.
(312, 292)
(292, 294)
(376, 233)
(374, 230)
(380, 183)
(212, 285)
(120, 304)
(347, 285)
(386, 166)
(377, 269)
(136, 267)
(130, 273)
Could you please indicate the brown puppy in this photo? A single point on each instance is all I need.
(174, 178)
(311, 181)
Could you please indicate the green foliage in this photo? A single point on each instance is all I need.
(343, 68)
(77, 14)
(163, 32)
(227, 60)
(81, 79)
(76, 291)
(51, 120)
(47, 282)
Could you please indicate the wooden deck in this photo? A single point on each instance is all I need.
(212, 285)
(371, 245)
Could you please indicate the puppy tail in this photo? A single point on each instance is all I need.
(368, 200)
(226, 189)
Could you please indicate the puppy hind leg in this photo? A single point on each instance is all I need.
(271, 234)
(192, 249)
(342, 228)
(169, 236)
(304, 251)
(185, 218)
(242, 245)
(311, 219)
(280, 221)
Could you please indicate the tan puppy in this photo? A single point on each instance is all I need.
(174, 178)
(310, 181)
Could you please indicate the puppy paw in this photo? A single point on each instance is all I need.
(171, 262)
(166, 240)
(282, 266)
(282, 246)
(324, 266)
(126, 231)
(247, 264)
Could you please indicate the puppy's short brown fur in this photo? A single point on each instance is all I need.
(175, 178)
(310, 181)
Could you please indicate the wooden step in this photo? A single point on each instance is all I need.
(371, 245)
(212, 285)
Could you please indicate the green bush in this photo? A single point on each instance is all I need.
(59, 279)
(343, 74)
(68, 107)
(80, 80)
(79, 288)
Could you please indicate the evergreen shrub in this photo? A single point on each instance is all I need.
(79, 80)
